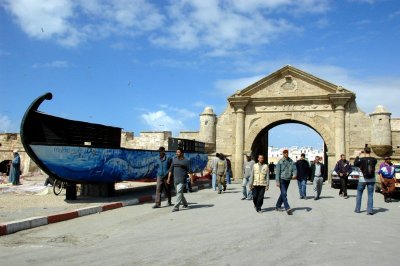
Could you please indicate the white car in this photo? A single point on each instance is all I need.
(352, 180)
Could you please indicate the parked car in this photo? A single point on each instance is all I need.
(397, 176)
(353, 177)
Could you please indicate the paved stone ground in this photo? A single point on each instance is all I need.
(32, 198)
(218, 230)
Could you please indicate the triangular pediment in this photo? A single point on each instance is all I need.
(290, 82)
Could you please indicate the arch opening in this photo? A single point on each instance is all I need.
(263, 140)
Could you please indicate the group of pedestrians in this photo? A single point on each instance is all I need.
(221, 172)
(256, 176)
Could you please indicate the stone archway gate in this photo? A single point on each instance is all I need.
(292, 95)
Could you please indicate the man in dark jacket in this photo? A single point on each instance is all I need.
(303, 173)
(343, 169)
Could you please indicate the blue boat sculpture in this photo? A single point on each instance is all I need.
(81, 152)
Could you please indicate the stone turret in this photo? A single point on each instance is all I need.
(207, 134)
(381, 133)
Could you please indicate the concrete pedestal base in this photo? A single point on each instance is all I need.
(70, 192)
(98, 190)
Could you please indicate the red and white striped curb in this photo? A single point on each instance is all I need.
(15, 226)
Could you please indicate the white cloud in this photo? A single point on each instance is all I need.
(220, 25)
(217, 26)
(182, 113)
(394, 14)
(5, 123)
(364, 1)
(71, 22)
(160, 120)
(230, 86)
(54, 64)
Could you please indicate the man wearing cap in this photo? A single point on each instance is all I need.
(163, 163)
(367, 180)
(387, 178)
(247, 170)
(15, 169)
(285, 171)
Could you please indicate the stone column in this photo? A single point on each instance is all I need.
(339, 131)
(239, 141)
(239, 103)
(339, 100)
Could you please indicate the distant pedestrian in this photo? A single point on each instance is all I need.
(214, 171)
(387, 178)
(228, 171)
(180, 169)
(271, 168)
(343, 169)
(163, 163)
(15, 169)
(222, 167)
(367, 165)
(303, 173)
(285, 171)
(318, 173)
(247, 170)
(259, 182)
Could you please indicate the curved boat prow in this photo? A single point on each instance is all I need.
(24, 130)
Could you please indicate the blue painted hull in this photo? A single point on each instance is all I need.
(106, 165)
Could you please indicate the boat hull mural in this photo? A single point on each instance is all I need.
(106, 165)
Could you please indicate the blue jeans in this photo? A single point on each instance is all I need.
(360, 190)
(214, 181)
(302, 187)
(228, 177)
(188, 184)
(284, 185)
(245, 182)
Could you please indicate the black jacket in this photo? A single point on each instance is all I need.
(303, 169)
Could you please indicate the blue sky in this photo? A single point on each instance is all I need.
(154, 65)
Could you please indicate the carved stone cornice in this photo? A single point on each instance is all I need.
(340, 99)
(238, 102)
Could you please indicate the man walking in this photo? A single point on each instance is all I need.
(367, 165)
(318, 173)
(221, 170)
(164, 163)
(247, 170)
(285, 170)
(343, 169)
(259, 182)
(303, 173)
(180, 168)
(214, 171)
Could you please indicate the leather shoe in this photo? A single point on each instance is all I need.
(156, 206)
